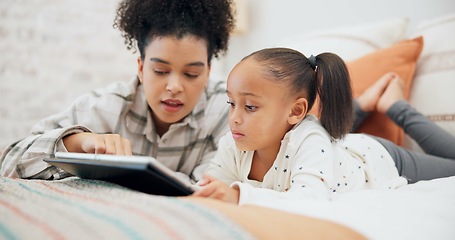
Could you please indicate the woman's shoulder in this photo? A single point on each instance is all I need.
(213, 103)
(110, 98)
(122, 89)
(216, 94)
(216, 87)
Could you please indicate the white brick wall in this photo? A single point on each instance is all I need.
(52, 51)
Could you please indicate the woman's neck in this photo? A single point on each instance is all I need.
(160, 127)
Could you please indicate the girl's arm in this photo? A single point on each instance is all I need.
(224, 166)
(213, 188)
(307, 174)
(210, 153)
(216, 116)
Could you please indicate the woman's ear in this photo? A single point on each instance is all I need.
(298, 111)
(140, 69)
(208, 75)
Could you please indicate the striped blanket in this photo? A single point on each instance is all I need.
(73, 208)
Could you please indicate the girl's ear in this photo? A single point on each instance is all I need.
(140, 69)
(298, 111)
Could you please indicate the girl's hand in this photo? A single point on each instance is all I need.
(216, 189)
(97, 143)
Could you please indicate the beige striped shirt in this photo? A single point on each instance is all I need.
(121, 108)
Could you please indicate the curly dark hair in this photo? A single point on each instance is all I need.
(141, 20)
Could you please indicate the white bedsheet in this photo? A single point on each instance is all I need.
(424, 210)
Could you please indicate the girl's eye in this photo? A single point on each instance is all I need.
(231, 103)
(251, 108)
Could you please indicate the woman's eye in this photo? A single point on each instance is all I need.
(251, 108)
(191, 75)
(160, 72)
(231, 103)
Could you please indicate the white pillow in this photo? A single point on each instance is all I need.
(350, 42)
(432, 92)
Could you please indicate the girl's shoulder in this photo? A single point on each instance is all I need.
(357, 139)
(227, 141)
(308, 125)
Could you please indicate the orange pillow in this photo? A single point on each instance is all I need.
(400, 58)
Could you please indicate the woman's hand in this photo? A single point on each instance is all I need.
(97, 143)
(213, 188)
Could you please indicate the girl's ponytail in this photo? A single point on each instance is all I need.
(325, 75)
(336, 108)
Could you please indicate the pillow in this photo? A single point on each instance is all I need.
(400, 58)
(434, 81)
(350, 42)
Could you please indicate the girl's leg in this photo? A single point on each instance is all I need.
(417, 166)
(367, 101)
(359, 116)
(439, 157)
(430, 137)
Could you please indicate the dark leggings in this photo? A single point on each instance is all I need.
(439, 146)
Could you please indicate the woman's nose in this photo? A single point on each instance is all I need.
(174, 84)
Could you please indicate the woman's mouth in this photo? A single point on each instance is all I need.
(172, 105)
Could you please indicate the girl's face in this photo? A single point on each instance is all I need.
(261, 109)
(174, 73)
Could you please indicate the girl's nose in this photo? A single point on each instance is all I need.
(235, 116)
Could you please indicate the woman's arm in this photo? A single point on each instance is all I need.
(95, 112)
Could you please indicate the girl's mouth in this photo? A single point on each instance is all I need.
(237, 135)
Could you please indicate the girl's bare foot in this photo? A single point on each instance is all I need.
(392, 94)
(369, 98)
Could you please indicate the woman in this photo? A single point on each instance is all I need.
(170, 111)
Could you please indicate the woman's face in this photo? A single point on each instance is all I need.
(260, 108)
(174, 73)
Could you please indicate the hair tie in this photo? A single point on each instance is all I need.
(312, 60)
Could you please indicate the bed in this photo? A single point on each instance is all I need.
(75, 208)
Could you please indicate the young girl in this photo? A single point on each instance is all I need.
(170, 111)
(276, 150)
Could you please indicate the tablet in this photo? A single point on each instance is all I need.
(140, 173)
